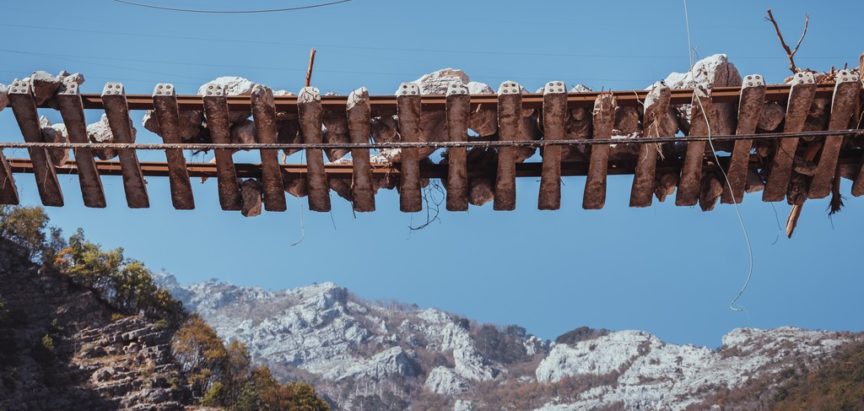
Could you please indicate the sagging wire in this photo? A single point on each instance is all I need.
(733, 305)
(207, 11)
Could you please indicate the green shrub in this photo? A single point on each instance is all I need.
(48, 343)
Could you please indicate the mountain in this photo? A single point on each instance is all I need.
(375, 355)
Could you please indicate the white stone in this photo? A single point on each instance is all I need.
(445, 381)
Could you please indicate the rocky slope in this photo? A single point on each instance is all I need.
(62, 347)
(373, 355)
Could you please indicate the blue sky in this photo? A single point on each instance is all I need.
(668, 270)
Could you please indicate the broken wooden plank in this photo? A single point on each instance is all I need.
(800, 99)
(117, 111)
(656, 110)
(554, 121)
(846, 92)
(8, 190)
(264, 115)
(72, 110)
(598, 165)
(409, 110)
(310, 111)
(509, 120)
(690, 185)
(359, 114)
(216, 112)
(24, 107)
(458, 108)
(168, 118)
(749, 112)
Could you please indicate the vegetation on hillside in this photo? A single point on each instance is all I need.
(218, 375)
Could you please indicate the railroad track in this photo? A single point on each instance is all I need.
(802, 161)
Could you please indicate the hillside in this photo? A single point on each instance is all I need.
(85, 328)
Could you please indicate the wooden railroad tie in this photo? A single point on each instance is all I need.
(663, 161)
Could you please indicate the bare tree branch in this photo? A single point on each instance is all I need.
(789, 52)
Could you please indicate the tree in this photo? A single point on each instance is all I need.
(25, 227)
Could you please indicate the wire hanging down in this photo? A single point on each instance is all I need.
(205, 11)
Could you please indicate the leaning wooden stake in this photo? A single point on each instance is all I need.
(509, 117)
(168, 117)
(656, 110)
(749, 109)
(309, 68)
(216, 110)
(554, 120)
(311, 113)
(408, 107)
(800, 99)
(117, 111)
(598, 165)
(458, 109)
(846, 92)
(359, 116)
(24, 107)
(72, 111)
(690, 185)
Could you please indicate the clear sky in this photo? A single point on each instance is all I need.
(668, 270)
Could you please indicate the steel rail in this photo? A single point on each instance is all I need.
(250, 170)
(438, 144)
(776, 92)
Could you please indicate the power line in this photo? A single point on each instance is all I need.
(255, 11)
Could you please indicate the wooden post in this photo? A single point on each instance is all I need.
(359, 116)
(749, 111)
(310, 111)
(458, 108)
(690, 185)
(117, 111)
(24, 107)
(72, 111)
(509, 120)
(8, 190)
(168, 117)
(216, 112)
(409, 108)
(554, 119)
(598, 165)
(800, 99)
(846, 92)
(264, 115)
(656, 109)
